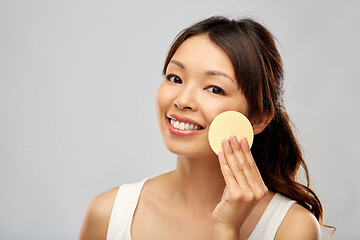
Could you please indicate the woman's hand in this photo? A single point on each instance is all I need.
(244, 187)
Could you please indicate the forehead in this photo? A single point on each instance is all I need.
(201, 54)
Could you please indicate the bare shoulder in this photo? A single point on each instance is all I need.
(97, 216)
(299, 223)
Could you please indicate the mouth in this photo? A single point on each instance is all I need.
(183, 124)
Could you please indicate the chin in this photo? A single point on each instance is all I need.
(190, 151)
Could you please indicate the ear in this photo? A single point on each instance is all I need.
(260, 122)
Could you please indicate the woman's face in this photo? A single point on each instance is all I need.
(199, 84)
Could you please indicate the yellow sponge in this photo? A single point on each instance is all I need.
(227, 124)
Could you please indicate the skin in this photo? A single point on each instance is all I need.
(206, 196)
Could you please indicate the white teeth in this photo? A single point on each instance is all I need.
(183, 126)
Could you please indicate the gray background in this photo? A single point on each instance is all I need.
(77, 87)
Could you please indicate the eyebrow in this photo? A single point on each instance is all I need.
(218, 73)
(208, 73)
(178, 63)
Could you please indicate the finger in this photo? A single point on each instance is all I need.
(235, 166)
(245, 163)
(246, 151)
(226, 172)
(235, 145)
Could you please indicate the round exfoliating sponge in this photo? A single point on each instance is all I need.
(227, 124)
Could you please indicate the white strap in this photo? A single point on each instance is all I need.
(272, 217)
(123, 210)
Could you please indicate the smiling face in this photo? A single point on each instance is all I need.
(199, 84)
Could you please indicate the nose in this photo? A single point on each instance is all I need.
(186, 99)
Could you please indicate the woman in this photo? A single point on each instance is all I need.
(214, 66)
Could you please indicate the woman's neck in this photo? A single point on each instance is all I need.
(199, 182)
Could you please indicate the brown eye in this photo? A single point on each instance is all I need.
(216, 90)
(173, 78)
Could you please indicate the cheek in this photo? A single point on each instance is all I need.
(215, 110)
(157, 102)
(161, 99)
(218, 107)
(211, 107)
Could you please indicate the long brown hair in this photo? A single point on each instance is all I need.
(259, 73)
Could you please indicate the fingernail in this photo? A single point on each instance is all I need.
(221, 153)
(234, 139)
(245, 142)
(226, 142)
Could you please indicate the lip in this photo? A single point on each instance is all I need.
(179, 132)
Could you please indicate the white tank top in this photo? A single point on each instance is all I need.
(128, 196)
